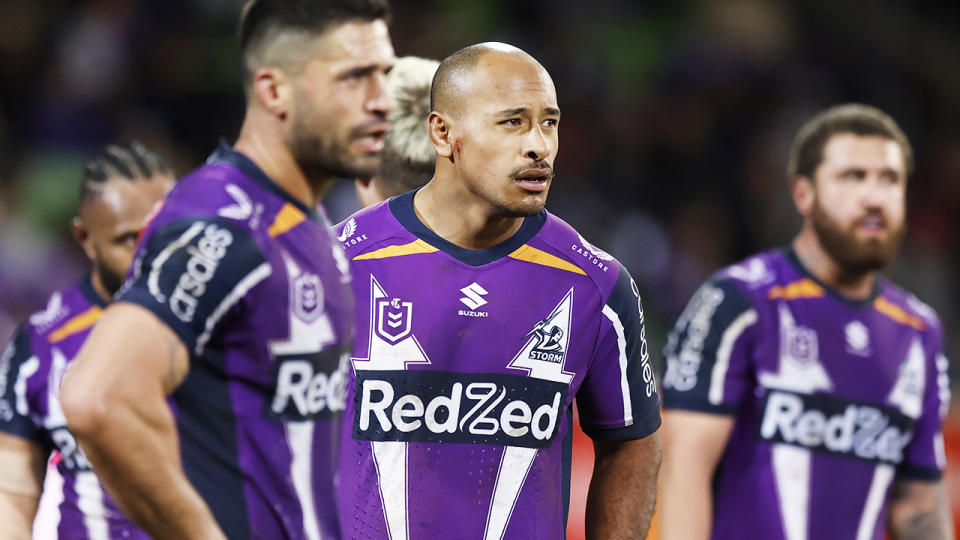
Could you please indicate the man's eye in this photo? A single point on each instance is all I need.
(512, 122)
(550, 122)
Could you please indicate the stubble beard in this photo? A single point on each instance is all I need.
(855, 256)
(324, 157)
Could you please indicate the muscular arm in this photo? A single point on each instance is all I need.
(114, 398)
(623, 488)
(694, 442)
(21, 481)
(919, 510)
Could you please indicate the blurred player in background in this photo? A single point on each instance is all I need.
(408, 155)
(805, 391)
(237, 308)
(118, 189)
(480, 317)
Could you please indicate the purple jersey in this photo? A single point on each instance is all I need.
(834, 399)
(74, 504)
(256, 287)
(465, 368)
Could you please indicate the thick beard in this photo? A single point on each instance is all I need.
(856, 257)
(320, 157)
(110, 279)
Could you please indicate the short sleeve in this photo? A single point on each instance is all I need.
(708, 351)
(925, 456)
(618, 399)
(190, 273)
(17, 364)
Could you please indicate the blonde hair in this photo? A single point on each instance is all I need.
(408, 154)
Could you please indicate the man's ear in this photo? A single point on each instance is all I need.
(439, 127)
(272, 90)
(82, 235)
(804, 194)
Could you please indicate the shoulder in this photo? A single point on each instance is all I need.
(560, 240)
(65, 305)
(367, 228)
(905, 307)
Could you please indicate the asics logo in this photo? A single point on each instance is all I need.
(474, 294)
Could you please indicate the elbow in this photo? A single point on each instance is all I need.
(84, 405)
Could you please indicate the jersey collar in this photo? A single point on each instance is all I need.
(225, 154)
(791, 256)
(86, 289)
(402, 208)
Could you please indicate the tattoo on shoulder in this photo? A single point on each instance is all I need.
(173, 375)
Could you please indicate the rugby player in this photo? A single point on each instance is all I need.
(237, 308)
(805, 391)
(480, 318)
(408, 156)
(118, 189)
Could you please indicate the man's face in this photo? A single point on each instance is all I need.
(504, 133)
(340, 102)
(860, 200)
(113, 219)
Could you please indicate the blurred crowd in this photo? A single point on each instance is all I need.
(677, 119)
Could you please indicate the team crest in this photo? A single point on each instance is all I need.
(544, 352)
(394, 318)
(307, 297)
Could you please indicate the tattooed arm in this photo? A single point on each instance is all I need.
(114, 397)
(919, 511)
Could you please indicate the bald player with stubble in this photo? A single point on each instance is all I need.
(480, 318)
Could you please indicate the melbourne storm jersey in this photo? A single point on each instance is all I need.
(465, 368)
(834, 399)
(74, 504)
(255, 286)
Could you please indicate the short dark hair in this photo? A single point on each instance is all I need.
(855, 118)
(261, 21)
(130, 161)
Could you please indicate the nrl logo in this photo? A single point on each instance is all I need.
(307, 297)
(393, 319)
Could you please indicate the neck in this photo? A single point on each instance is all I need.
(457, 216)
(265, 147)
(850, 285)
(98, 287)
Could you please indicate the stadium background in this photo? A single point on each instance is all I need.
(677, 118)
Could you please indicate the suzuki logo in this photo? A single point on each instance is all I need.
(474, 295)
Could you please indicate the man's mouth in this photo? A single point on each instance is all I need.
(873, 225)
(370, 139)
(533, 179)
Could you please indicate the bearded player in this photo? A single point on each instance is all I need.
(481, 318)
(119, 187)
(805, 391)
(237, 309)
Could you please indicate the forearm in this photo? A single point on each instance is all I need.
(919, 511)
(686, 502)
(136, 457)
(623, 488)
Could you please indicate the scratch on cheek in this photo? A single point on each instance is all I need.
(456, 148)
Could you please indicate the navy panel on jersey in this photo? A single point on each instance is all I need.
(191, 268)
(626, 338)
(692, 346)
(208, 444)
(16, 361)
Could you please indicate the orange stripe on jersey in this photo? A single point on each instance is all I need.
(78, 323)
(534, 255)
(803, 288)
(898, 314)
(413, 248)
(287, 218)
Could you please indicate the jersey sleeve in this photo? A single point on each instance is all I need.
(190, 273)
(925, 456)
(17, 364)
(708, 351)
(618, 399)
